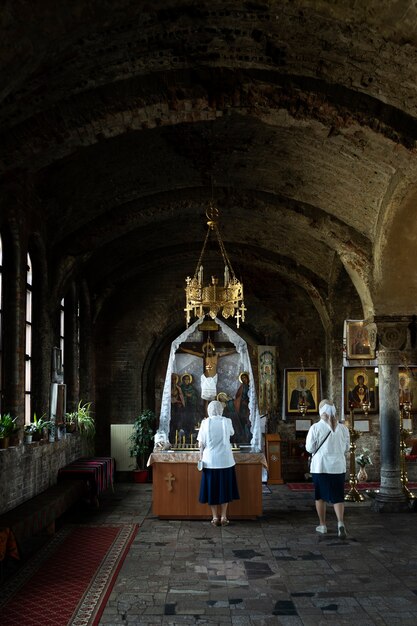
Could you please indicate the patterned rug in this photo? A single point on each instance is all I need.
(69, 580)
(359, 486)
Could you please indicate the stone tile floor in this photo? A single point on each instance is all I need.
(275, 570)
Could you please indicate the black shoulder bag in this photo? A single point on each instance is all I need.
(315, 452)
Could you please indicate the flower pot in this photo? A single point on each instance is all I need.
(140, 476)
(28, 438)
(362, 475)
(4, 442)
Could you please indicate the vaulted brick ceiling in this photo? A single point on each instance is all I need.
(298, 118)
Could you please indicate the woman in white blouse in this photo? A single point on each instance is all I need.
(328, 442)
(218, 482)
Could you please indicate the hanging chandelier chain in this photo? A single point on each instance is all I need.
(223, 251)
(214, 298)
(200, 260)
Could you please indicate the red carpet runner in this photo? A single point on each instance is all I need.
(69, 580)
(359, 486)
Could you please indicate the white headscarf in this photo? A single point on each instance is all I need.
(327, 411)
(215, 408)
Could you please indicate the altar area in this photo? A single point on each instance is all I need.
(176, 479)
(176, 485)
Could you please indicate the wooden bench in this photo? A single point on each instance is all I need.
(97, 472)
(40, 512)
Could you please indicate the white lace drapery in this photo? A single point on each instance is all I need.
(244, 366)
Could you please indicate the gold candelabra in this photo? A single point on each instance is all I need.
(405, 408)
(189, 444)
(302, 407)
(181, 442)
(353, 494)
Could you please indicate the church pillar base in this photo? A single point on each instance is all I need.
(390, 506)
(391, 497)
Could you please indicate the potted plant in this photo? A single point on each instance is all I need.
(29, 430)
(141, 442)
(40, 427)
(81, 420)
(7, 428)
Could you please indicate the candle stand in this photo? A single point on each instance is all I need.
(302, 407)
(353, 494)
(405, 408)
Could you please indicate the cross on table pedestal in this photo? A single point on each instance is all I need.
(169, 479)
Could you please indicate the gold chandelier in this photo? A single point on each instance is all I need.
(213, 299)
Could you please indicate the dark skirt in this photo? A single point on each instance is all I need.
(329, 487)
(218, 486)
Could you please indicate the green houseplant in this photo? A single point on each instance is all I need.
(39, 427)
(81, 420)
(29, 430)
(7, 428)
(140, 441)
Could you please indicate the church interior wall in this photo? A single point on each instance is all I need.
(106, 175)
(132, 327)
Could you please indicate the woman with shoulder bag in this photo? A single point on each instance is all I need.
(218, 482)
(328, 441)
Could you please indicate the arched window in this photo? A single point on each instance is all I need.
(62, 331)
(1, 325)
(28, 342)
(78, 347)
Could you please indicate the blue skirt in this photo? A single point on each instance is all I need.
(329, 487)
(218, 486)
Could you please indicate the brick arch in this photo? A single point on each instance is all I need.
(86, 121)
(396, 256)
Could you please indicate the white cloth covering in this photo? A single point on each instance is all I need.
(330, 458)
(208, 387)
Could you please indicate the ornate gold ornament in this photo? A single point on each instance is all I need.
(214, 299)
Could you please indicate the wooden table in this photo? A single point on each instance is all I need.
(176, 485)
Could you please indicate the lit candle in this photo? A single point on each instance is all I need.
(183, 440)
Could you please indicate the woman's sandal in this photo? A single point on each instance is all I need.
(215, 521)
(224, 521)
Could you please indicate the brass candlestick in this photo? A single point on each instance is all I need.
(353, 494)
(405, 408)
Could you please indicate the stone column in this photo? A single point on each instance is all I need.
(392, 338)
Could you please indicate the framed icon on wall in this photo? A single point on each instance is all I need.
(357, 341)
(302, 386)
(361, 387)
(407, 386)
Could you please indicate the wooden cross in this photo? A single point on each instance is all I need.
(169, 479)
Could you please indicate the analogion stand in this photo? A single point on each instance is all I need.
(273, 456)
(176, 486)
